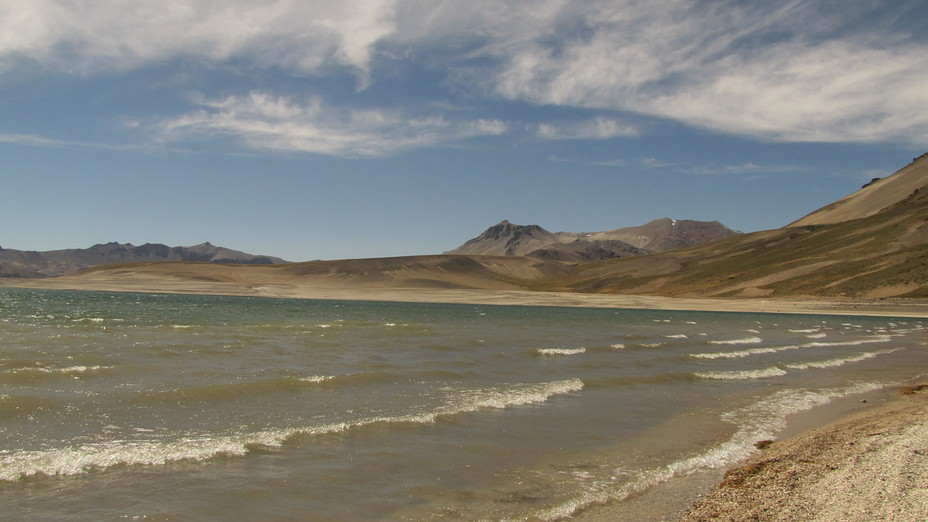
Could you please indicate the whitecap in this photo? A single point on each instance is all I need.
(15, 465)
(832, 363)
(745, 340)
(317, 378)
(743, 375)
(65, 370)
(760, 421)
(744, 353)
(560, 351)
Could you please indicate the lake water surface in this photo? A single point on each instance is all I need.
(177, 407)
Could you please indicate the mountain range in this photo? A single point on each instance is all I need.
(870, 245)
(660, 235)
(51, 263)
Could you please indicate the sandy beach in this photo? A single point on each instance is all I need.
(869, 461)
(871, 466)
(873, 307)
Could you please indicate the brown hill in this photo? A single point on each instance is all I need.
(423, 272)
(51, 263)
(881, 250)
(659, 235)
(873, 197)
(872, 244)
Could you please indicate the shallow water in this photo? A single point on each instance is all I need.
(168, 407)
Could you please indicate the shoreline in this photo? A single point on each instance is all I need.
(815, 443)
(821, 447)
(894, 307)
(868, 465)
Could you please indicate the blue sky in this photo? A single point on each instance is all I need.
(367, 128)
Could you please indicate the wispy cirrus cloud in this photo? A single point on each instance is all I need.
(593, 129)
(779, 71)
(267, 122)
(113, 34)
(744, 168)
(793, 71)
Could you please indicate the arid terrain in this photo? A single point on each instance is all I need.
(865, 249)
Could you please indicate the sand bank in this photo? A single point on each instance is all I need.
(873, 307)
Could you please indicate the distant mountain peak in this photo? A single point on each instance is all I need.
(17, 263)
(508, 239)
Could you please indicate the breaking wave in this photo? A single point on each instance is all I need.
(743, 375)
(745, 340)
(759, 421)
(15, 466)
(560, 351)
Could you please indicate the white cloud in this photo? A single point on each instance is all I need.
(745, 168)
(790, 71)
(770, 70)
(267, 122)
(593, 129)
(90, 34)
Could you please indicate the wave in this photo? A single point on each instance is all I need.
(746, 340)
(560, 351)
(831, 363)
(234, 390)
(24, 405)
(745, 353)
(15, 466)
(66, 370)
(677, 336)
(775, 349)
(759, 421)
(743, 375)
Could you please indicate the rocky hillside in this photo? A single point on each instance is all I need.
(871, 244)
(51, 263)
(659, 235)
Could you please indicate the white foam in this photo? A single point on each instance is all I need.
(775, 349)
(560, 351)
(103, 455)
(744, 353)
(68, 369)
(618, 346)
(760, 421)
(317, 378)
(831, 363)
(745, 340)
(677, 336)
(743, 375)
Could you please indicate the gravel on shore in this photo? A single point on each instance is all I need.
(871, 466)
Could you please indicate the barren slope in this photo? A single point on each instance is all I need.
(872, 198)
(464, 272)
(884, 254)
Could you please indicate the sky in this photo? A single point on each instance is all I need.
(311, 129)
